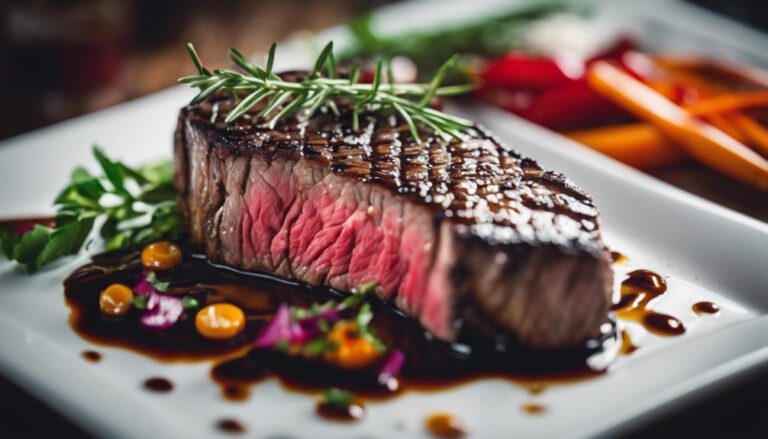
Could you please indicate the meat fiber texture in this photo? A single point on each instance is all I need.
(462, 235)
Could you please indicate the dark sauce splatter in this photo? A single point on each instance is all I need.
(159, 385)
(431, 364)
(234, 392)
(230, 426)
(445, 425)
(352, 412)
(92, 356)
(705, 308)
(638, 292)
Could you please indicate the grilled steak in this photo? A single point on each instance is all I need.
(463, 236)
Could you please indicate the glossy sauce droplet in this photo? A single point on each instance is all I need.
(638, 291)
(160, 385)
(352, 412)
(705, 308)
(230, 426)
(92, 356)
(444, 424)
(533, 408)
(663, 324)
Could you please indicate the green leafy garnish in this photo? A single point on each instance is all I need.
(317, 347)
(140, 302)
(337, 398)
(157, 283)
(189, 302)
(133, 205)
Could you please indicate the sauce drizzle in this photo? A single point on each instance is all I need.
(158, 384)
(638, 292)
(533, 408)
(92, 356)
(444, 424)
(705, 308)
(430, 364)
(230, 426)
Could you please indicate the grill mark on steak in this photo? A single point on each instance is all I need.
(464, 236)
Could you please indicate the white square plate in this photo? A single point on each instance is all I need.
(708, 253)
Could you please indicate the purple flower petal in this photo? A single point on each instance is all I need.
(143, 287)
(162, 312)
(391, 366)
(277, 330)
(311, 324)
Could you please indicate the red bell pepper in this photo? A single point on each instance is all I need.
(519, 71)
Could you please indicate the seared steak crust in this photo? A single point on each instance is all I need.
(457, 233)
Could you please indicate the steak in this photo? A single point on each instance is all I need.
(465, 236)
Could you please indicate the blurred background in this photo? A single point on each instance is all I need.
(63, 58)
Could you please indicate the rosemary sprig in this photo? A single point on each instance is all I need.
(322, 91)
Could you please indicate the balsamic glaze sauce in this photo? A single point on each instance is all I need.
(705, 308)
(92, 356)
(443, 424)
(158, 384)
(430, 364)
(231, 426)
(638, 292)
(533, 408)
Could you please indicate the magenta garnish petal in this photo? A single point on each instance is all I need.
(162, 312)
(299, 335)
(391, 366)
(311, 324)
(278, 329)
(143, 287)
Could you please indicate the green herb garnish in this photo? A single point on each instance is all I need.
(337, 398)
(189, 302)
(157, 283)
(317, 347)
(324, 89)
(133, 205)
(140, 302)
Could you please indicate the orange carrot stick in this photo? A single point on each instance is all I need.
(640, 145)
(728, 102)
(726, 125)
(701, 140)
(757, 133)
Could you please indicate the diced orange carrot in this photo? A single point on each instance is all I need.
(702, 141)
(640, 145)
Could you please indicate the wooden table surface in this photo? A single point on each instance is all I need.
(251, 27)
